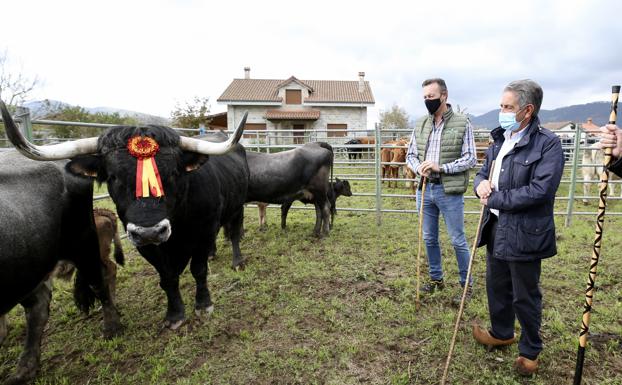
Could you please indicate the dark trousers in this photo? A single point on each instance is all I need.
(514, 292)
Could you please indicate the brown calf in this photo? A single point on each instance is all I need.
(107, 234)
(393, 155)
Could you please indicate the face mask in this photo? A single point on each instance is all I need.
(432, 105)
(507, 121)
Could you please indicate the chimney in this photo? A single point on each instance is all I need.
(361, 81)
(247, 72)
(589, 120)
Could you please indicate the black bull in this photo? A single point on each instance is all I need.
(46, 215)
(204, 187)
(301, 173)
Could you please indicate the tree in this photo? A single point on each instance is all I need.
(80, 114)
(14, 87)
(394, 119)
(191, 114)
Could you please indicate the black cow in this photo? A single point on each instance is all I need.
(290, 175)
(46, 215)
(354, 152)
(337, 189)
(170, 196)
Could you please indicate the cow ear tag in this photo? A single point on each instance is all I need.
(148, 181)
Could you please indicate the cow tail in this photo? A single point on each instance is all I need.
(83, 295)
(332, 158)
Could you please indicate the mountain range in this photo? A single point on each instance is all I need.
(598, 111)
(40, 108)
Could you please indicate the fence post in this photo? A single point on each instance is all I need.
(378, 180)
(23, 113)
(573, 173)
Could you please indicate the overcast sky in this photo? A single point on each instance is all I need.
(148, 55)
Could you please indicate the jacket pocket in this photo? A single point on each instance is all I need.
(522, 168)
(536, 236)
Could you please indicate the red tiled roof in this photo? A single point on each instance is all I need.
(295, 80)
(292, 114)
(555, 125)
(590, 127)
(323, 91)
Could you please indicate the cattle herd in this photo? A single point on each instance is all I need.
(172, 194)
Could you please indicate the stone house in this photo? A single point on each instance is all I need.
(298, 111)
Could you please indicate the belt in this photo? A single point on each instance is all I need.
(434, 180)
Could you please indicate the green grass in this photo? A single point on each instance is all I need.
(335, 311)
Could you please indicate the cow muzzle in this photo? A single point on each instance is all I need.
(153, 235)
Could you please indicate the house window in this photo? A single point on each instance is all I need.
(254, 127)
(293, 97)
(343, 130)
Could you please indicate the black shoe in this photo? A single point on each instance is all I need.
(457, 299)
(432, 286)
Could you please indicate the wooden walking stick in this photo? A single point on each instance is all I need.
(466, 286)
(600, 219)
(424, 181)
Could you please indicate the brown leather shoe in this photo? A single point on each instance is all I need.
(483, 336)
(526, 367)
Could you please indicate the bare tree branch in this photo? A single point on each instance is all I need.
(14, 87)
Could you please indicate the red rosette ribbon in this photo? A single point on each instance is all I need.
(148, 181)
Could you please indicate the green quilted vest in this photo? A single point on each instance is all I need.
(452, 139)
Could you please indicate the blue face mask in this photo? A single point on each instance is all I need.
(507, 121)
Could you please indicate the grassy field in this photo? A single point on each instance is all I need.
(335, 311)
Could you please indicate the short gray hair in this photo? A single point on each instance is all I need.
(528, 92)
(441, 84)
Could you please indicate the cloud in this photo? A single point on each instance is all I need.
(146, 55)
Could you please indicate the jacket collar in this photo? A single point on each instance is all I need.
(446, 115)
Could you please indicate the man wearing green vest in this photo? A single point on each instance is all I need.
(442, 150)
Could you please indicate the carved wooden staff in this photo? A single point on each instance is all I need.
(424, 181)
(600, 219)
(466, 285)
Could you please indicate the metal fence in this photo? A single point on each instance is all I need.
(368, 167)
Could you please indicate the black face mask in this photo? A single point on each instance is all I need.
(432, 105)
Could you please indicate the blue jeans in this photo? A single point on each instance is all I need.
(452, 208)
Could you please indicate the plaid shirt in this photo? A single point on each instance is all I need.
(467, 160)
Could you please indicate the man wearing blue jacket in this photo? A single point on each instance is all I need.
(518, 227)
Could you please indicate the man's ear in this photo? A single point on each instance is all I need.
(530, 110)
(88, 166)
(193, 161)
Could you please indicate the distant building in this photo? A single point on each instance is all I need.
(590, 130)
(299, 110)
(217, 121)
(566, 132)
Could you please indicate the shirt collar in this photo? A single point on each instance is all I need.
(517, 137)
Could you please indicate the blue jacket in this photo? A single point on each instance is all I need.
(530, 176)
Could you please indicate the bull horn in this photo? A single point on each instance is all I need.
(50, 152)
(213, 148)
